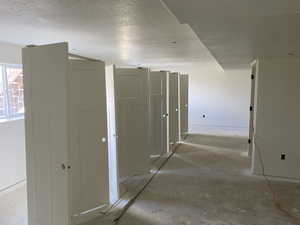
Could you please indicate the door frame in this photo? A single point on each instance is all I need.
(114, 192)
(252, 108)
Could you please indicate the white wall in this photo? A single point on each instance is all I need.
(12, 153)
(10, 53)
(12, 133)
(223, 97)
(277, 111)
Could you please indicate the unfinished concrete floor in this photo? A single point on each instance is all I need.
(13, 206)
(208, 182)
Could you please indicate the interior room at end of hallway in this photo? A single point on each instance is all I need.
(219, 100)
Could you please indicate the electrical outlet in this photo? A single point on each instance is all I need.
(283, 156)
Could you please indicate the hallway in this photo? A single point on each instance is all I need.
(208, 182)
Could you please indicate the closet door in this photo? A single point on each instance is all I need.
(158, 113)
(88, 139)
(132, 109)
(173, 110)
(46, 116)
(184, 95)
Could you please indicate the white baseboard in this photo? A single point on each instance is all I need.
(12, 187)
(219, 130)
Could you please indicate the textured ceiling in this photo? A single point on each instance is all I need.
(238, 31)
(125, 32)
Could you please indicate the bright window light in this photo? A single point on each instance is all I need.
(2, 95)
(11, 92)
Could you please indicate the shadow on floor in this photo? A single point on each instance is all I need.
(208, 182)
(227, 142)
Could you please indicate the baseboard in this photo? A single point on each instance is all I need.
(89, 215)
(12, 187)
(219, 130)
(277, 178)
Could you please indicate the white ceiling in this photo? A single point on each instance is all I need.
(125, 32)
(238, 31)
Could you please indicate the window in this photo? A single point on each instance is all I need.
(11, 92)
(2, 95)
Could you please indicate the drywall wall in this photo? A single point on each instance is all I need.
(12, 133)
(12, 153)
(219, 102)
(10, 53)
(276, 118)
(223, 97)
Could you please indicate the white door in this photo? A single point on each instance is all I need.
(88, 139)
(45, 69)
(158, 113)
(173, 110)
(132, 102)
(184, 83)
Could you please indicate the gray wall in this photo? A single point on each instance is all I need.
(277, 112)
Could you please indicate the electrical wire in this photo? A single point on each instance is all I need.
(131, 201)
(107, 212)
(275, 198)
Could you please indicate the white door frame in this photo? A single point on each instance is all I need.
(254, 67)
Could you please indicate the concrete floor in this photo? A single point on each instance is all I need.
(13, 206)
(207, 182)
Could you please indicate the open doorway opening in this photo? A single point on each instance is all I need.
(218, 102)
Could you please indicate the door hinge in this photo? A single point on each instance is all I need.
(251, 108)
(252, 76)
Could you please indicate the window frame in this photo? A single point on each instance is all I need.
(3, 117)
(7, 98)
